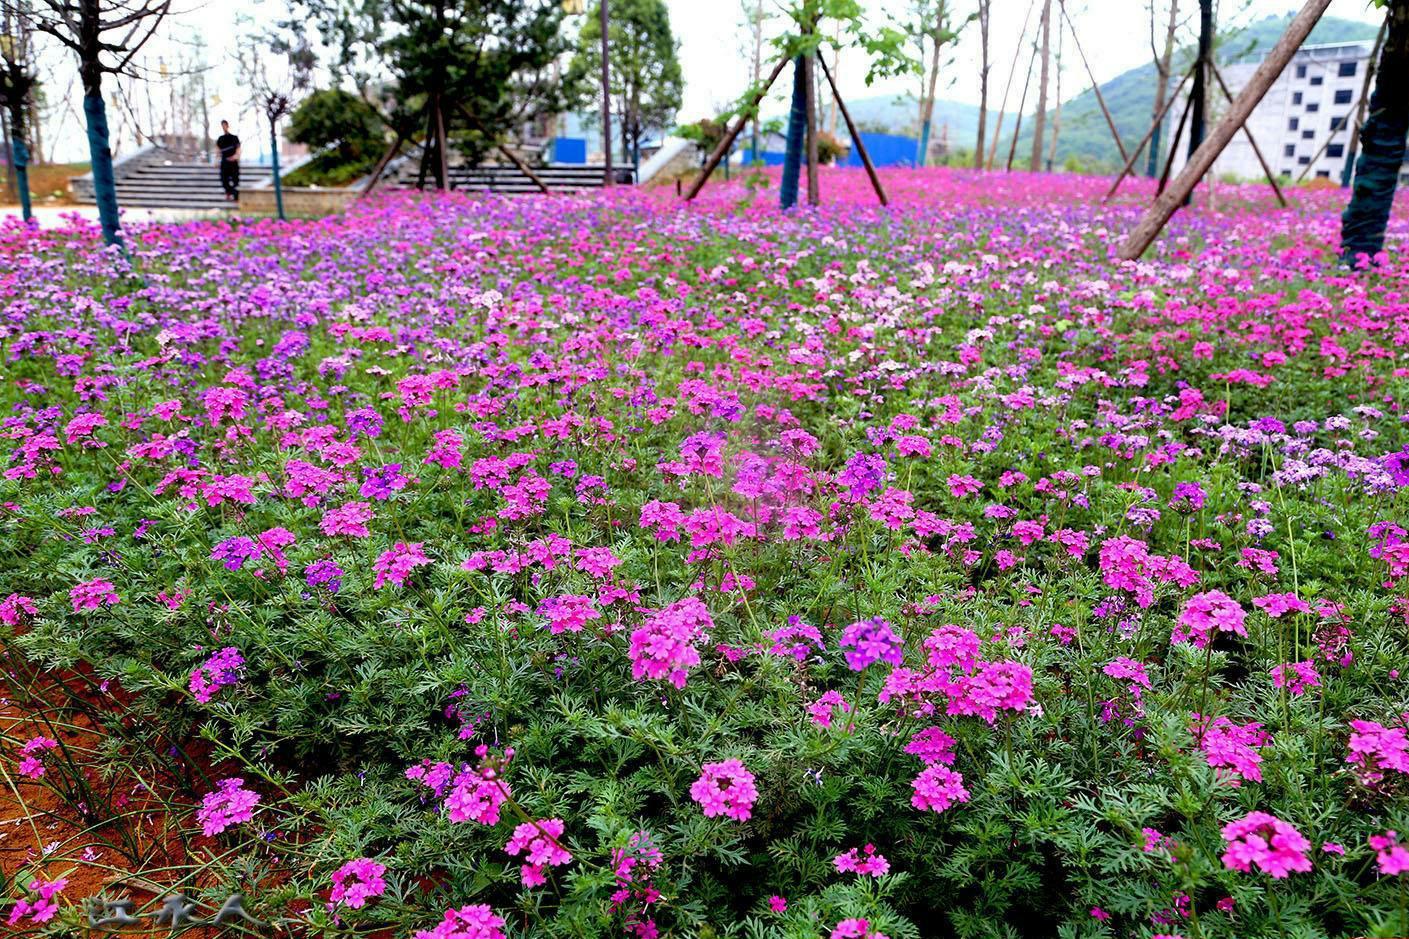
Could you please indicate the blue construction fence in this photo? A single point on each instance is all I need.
(569, 150)
(884, 150)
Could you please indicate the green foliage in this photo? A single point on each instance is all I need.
(345, 133)
(646, 81)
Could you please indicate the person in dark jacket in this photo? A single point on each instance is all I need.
(229, 146)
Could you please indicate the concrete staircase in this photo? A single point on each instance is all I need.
(157, 178)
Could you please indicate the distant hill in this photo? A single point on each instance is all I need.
(1131, 95)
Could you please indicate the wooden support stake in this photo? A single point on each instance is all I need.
(1174, 146)
(1247, 133)
(1131, 160)
(855, 136)
(1095, 85)
(381, 166)
(1022, 103)
(1158, 214)
(723, 146)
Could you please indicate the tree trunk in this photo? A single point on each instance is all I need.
(1197, 113)
(813, 193)
(274, 158)
(757, 74)
(797, 133)
(1057, 113)
(1382, 145)
(927, 102)
(607, 177)
(1162, 65)
(983, 8)
(1039, 121)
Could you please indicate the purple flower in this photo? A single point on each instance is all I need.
(870, 641)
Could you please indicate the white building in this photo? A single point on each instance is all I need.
(1303, 122)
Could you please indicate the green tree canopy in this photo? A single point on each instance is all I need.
(646, 83)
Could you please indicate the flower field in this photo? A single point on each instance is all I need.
(465, 568)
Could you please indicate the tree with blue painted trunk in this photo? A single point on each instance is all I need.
(934, 28)
(17, 81)
(105, 35)
(1382, 144)
(797, 131)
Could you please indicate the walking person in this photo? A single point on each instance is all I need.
(229, 146)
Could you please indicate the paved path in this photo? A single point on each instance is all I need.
(57, 216)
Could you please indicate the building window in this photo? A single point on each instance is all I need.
(1293, 123)
(1289, 150)
(1318, 79)
(1308, 134)
(1337, 123)
(1335, 151)
(1287, 173)
(1346, 69)
(1343, 96)
(1313, 107)
(1301, 71)
(1323, 174)
(1296, 97)
(1303, 161)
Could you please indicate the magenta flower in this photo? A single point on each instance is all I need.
(869, 641)
(356, 882)
(568, 613)
(229, 805)
(665, 646)
(221, 669)
(1266, 842)
(397, 563)
(43, 906)
(1296, 676)
(1391, 857)
(725, 788)
(866, 862)
(937, 788)
(540, 844)
(92, 594)
(1207, 613)
(476, 921)
(856, 929)
(1375, 748)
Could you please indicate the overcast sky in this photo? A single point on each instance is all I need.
(714, 54)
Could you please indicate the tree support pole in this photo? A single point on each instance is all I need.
(1012, 71)
(1281, 199)
(1022, 103)
(855, 136)
(1173, 147)
(1149, 136)
(814, 195)
(381, 166)
(723, 146)
(1164, 207)
(1095, 85)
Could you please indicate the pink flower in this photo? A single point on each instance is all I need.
(871, 641)
(856, 929)
(821, 709)
(476, 795)
(868, 862)
(32, 767)
(931, 745)
(349, 520)
(356, 882)
(476, 921)
(41, 909)
(665, 646)
(1375, 748)
(777, 904)
(397, 563)
(1266, 842)
(1206, 613)
(1278, 604)
(937, 788)
(539, 843)
(221, 669)
(725, 788)
(230, 804)
(1231, 748)
(1296, 676)
(568, 613)
(1391, 857)
(13, 606)
(92, 594)
(993, 687)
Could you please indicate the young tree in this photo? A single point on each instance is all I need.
(1039, 120)
(645, 75)
(1163, 60)
(18, 81)
(984, 9)
(935, 27)
(105, 35)
(1382, 143)
(756, 16)
(471, 72)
